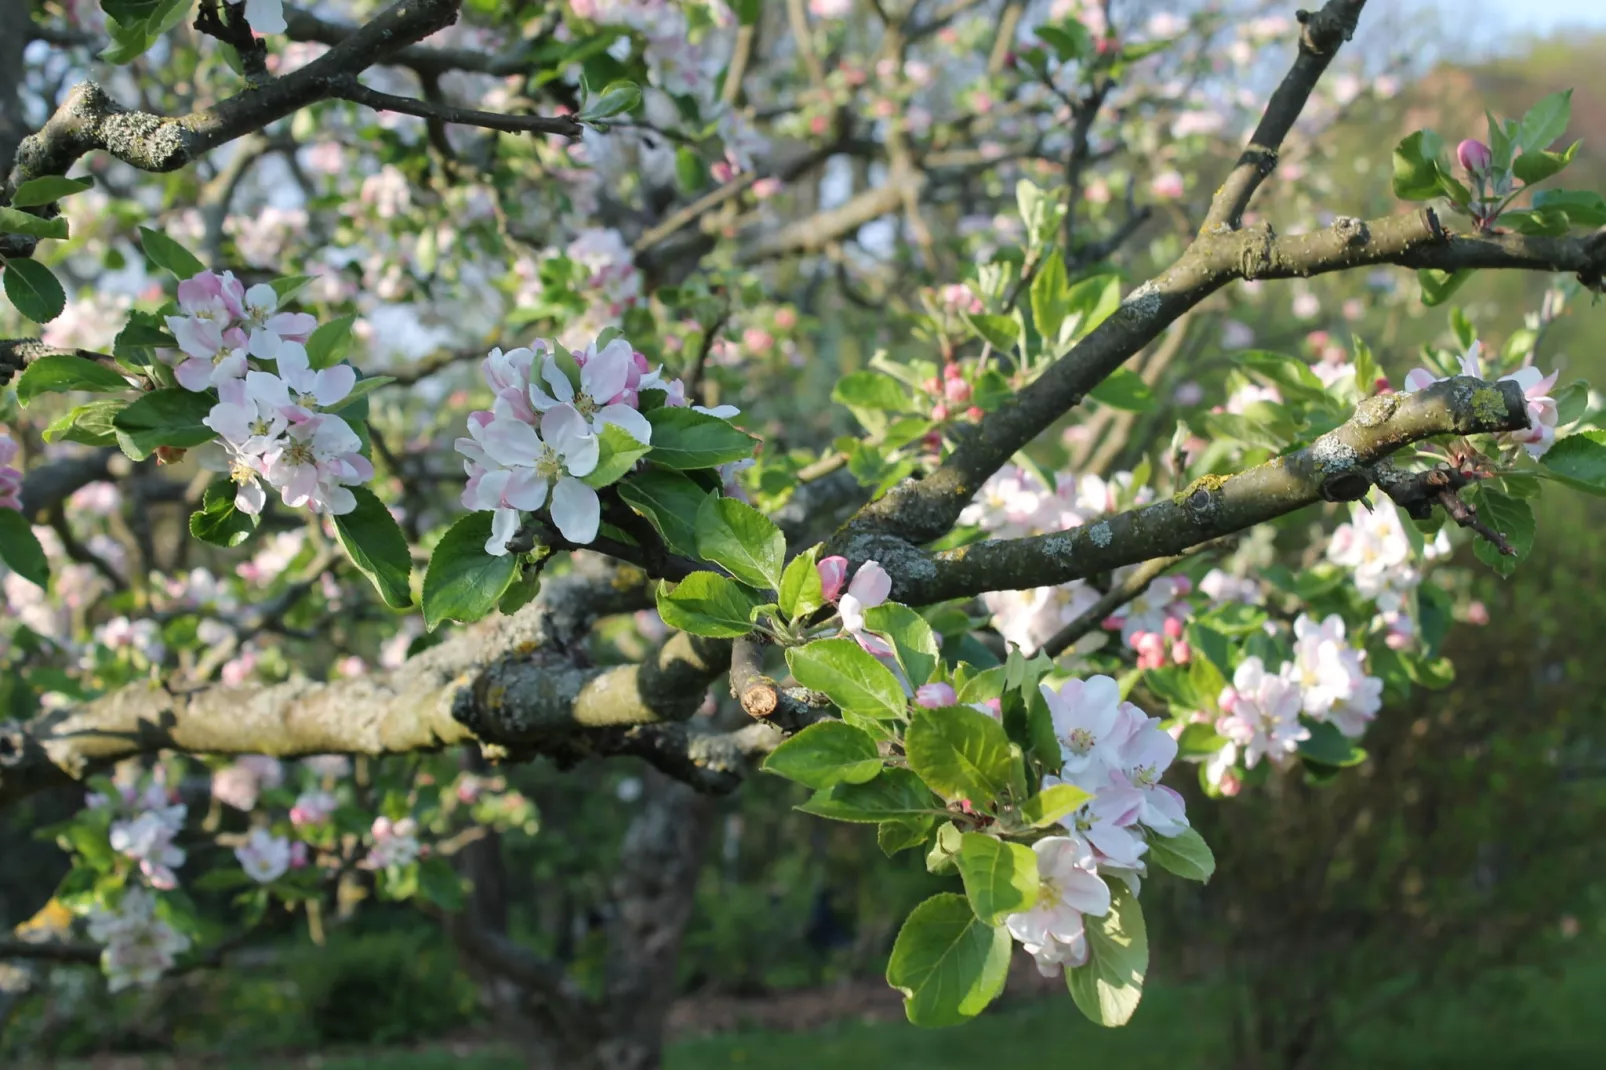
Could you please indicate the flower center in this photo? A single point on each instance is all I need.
(1144, 776)
(300, 453)
(1049, 895)
(241, 472)
(261, 426)
(1080, 740)
(549, 465)
(586, 404)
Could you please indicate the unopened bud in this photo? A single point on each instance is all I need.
(1474, 156)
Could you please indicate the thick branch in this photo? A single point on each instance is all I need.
(303, 25)
(88, 119)
(1337, 466)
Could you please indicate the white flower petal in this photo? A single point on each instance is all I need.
(576, 510)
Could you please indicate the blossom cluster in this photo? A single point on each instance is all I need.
(675, 62)
(1374, 545)
(1114, 751)
(1261, 711)
(139, 945)
(146, 817)
(541, 437)
(272, 423)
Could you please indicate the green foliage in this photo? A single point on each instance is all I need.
(20, 550)
(961, 754)
(826, 754)
(670, 501)
(948, 963)
(62, 373)
(1000, 877)
(706, 603)
(850, 677)
(463, 582)
(32, 288)
(1109, 987)
(375, 544)
(744, 541)
(217, 521)
(168, 417)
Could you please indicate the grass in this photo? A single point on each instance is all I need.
(1513, 1020)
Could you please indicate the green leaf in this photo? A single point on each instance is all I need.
(944, 854)
(894, 793)
(1579, 461)
(1050, 305)
(1439, 286)
(1109, 987)
(89, 424)
(670, 502)
(947, 963)
(850, 677)
(1094, 300)
(801, 592)
(464, 582)
(1186, 854)
(170, 417)
(20, 550)
(35, 292)
(685, 439)
(1513, 518)
(1124, 389)
(691, 173)
(902, 833)
(870, 390)
(617, 453)
(1535, 167)
(1545, 122)
(440, 884)
(169, 255)
(1585, 208)
(825, 754)
(375, 543)
(617, 98)
(217, 521)
(1001, 332)
(329, 342)
(287, 286)
(960, 753)
(1326, 745)
(912, 638)
(1051, 804)
(1416, 167)
(13, 221)
(128, 43)
(743, 540)
(60, 373)
(1070, 40)
(47, 189)
(706, 603)
(1000, 878)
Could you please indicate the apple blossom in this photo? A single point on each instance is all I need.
(869, 588)
(833, 573)
(604, 376)
(321, 388)
(267, 327)
(936, 695)
(312, 808)
(1475, 156)
(1329, 673)
(1085, 715)
(10, 478)
(264, 856)
(148, 840)
(1053, 931)
(1261, 714)
(315, 461)
(395, 844)
(140, 947)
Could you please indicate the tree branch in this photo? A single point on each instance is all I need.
(354, 91)
(424, 60)
(88, 119)
(1117, 596)
(1338, 466)
(1319, 41)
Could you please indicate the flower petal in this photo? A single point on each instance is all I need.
(576, 510)
(635, 424)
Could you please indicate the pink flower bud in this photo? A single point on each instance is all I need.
(1381, 385)
(939, 412)
(974, 414)
(833, 575)
(1112, 623)
(935, 696)
(956, 390)
(298, 855)
(1230, 784)
(1478, 613)
(1229, 699)
(1474, 156)
(932, 386)
(1182, 653)
(952, 371)
(1173, 628)
(1182, 585)
(785, 319)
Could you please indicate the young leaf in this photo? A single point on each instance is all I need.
(741, 539)
(170, 417)
(1439, 286)
(1545, 122)
(1186, 854)
(329, 342)
(1001, 332)
(824, 754)
(463, 582)
(801, 592)
(48, 188)
(1051, 804)
(870, 390)
(1109, 987)
(375, 543)
(1326, 745)
(1416, 167)
(960, 753)
(895, 793)
(1124, 389)
(617, 453)
(35, 292)
(850, 677)
(217, 521)
(14, 222)
(63, 372)
(901, 833)
(168, 254)
(670, 502)
(1513, 518)
(89, 424)
(947, 963)
(1000, 877)
(912, 639)
(617, 98)
(706, 603)
(685, 439)
(20, 550)
(1579, 461)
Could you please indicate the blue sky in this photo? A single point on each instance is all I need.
(1545, 14)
